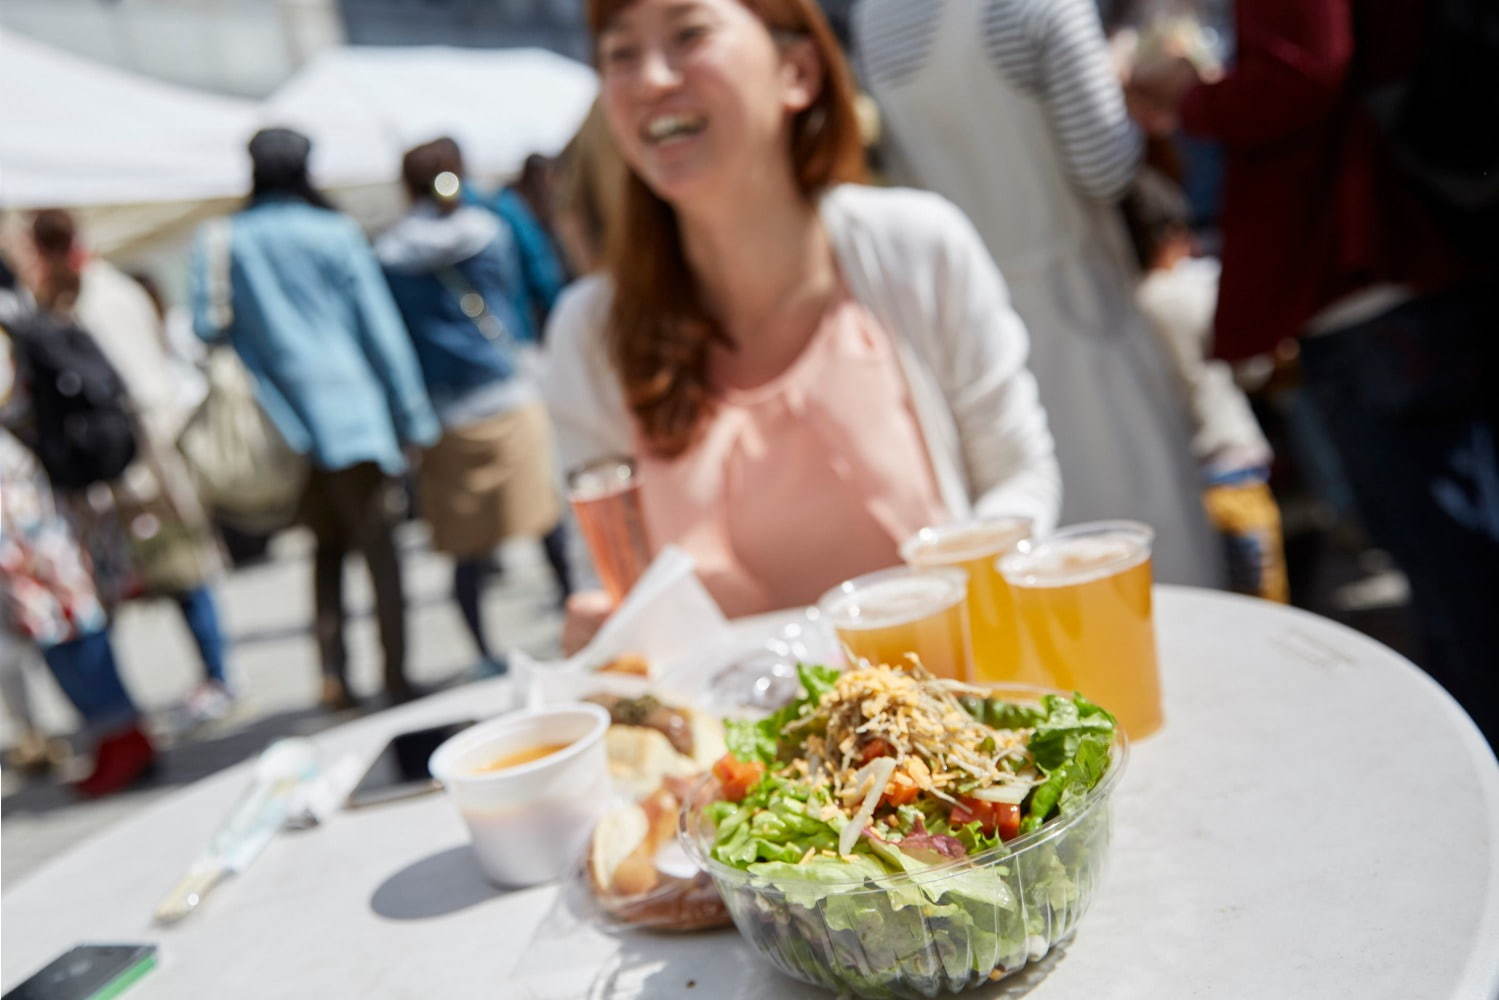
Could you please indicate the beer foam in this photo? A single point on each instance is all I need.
(964, 542)
(882, 603)
(1063, 562)
(600, 481)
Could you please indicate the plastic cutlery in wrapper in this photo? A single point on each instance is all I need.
(257, 816)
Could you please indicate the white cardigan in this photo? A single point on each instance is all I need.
(917, 264)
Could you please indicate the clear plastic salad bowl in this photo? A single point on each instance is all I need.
(945, 928)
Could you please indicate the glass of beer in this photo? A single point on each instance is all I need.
(888, 616)
(605, 497)
(975, 547)
(1083, 596)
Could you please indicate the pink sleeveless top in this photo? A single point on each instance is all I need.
(803, 482)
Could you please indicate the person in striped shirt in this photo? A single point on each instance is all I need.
(1012, 109)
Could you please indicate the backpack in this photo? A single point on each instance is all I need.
(1441, 123)
(83, 432)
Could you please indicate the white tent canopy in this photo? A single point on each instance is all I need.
(144, 162)
(74, 132)
(364, 107)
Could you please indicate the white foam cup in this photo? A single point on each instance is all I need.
(528, 823)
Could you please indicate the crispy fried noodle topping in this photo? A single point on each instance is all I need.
(914, 718)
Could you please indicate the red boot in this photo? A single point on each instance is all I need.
(121, 761)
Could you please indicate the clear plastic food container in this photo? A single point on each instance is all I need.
(947, 928)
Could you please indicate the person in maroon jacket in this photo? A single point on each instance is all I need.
(1326, 239)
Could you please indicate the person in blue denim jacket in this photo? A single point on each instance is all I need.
(451, 268)
(295, 287)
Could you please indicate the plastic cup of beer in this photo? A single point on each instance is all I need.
(889, 616)
(605, 497)
(975, 547)
(1083, 597)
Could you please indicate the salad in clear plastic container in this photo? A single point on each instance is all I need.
(893, 834)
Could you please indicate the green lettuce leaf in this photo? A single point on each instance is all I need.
(749, 740)
(892, 922)
(776, 821)
(968, 886)
(817, 680)
(761, 740)
(1067, 723)
(909, 931)
(997, 713)
(974, 839)
(821, 877)
(981, 918)
(1048, 883)
(1071, 747)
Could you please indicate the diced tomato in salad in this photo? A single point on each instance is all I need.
(874, 748)
(995, 817)
(901, 790)
(737, 776)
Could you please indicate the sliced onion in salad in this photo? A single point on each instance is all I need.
(877, 772)
(1008, 794)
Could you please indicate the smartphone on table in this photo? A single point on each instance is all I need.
(400, 771)
(88, 972)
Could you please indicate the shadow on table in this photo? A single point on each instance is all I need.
(676, 966)
(182, 763)
(436, 886)
(1022, 982)
(671, 967)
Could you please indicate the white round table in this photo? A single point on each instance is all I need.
(1316, 819)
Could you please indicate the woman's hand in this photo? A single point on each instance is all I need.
(587, 610)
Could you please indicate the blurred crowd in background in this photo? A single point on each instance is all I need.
(1245, 292)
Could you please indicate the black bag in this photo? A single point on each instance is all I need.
(1442, 122)
(82, 429)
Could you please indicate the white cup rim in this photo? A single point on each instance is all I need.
(459, 743)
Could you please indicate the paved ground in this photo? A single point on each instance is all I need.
(273, 661)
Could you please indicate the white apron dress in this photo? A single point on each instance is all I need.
(956, 126)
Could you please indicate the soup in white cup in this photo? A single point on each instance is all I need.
(530, 787)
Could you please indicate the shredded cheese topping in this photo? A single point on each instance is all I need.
(915, 719)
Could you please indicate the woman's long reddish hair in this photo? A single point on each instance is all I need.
(659, 334)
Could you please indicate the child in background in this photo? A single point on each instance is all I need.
(1178, 294)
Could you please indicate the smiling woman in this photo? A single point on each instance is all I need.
(771, 337)
(703, 95)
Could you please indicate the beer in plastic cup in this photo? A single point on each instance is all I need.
(1083, 595)
(975, 547)
(887, 616)
(605, 497)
